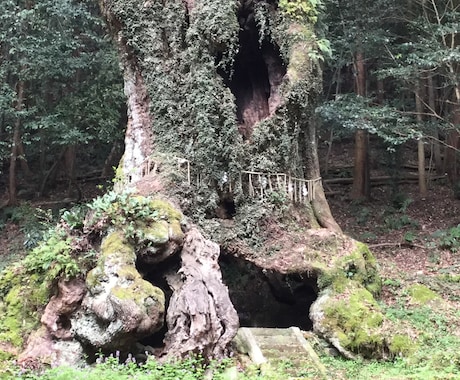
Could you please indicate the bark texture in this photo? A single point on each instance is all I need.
(361, 171)
(201, 317)
(138, 136)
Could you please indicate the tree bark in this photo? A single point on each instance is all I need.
(111, 160)
(201, 317)
(12, 184)
(361, 171)
(435, 145)
(450, 164)
(420, 143)
(320, 206)
(138, 136)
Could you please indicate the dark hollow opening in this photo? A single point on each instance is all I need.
(268, 298)
(156, 275)
(226, 208)
(257, 73)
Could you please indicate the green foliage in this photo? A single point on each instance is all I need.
(401, 202)
(363, 215)
(249, 220)
(356, 112)
(301, 10)
(397, 221)
(33, 222)
(188, 100)
(438, 345)
(52, 259)
(129, 213)
(449, 239)
(72, 84)
(187, 369)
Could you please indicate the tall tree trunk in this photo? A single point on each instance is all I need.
(361, 170)
(70, 155)
(138, 137)
(321, 209)
(436, 146)
(111, 160)
(420, 142)
(453, 144)
(12, 184)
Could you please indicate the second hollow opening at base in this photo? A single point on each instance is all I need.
(262, 298)
(268, 298)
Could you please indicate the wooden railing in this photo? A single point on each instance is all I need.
(255, 184)
(261, 184)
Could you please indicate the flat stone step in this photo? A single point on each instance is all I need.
(275, 346)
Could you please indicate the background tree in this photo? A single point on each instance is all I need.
(356, 43)
(61, 87)
(408, 48)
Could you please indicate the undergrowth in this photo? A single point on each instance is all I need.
(187, 369)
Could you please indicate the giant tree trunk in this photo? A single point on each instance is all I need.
(180, 95)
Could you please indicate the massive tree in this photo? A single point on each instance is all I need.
(214, 219)
(227, 86)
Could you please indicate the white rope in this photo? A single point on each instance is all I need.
(259, 184)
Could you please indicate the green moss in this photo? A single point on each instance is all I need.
(299, 63)
(361, 266)
(166, 210)
(117, 250)
(95, 277)
(128, 273)
(355, 318)
(138, 291)
(24, 296)
(401, 345)
(421, 294)
(156, 233)
(175, 230)
(452, 278)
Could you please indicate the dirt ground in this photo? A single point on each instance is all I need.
(402, 229)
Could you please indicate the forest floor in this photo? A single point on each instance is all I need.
(416, 241)
(411, 235)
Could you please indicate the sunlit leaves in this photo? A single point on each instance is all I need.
(355, 112)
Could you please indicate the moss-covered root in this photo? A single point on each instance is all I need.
(120, 306)
(352, 321)
(358, 265)
(21, 296)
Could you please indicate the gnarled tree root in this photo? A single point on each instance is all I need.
(201, 318)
